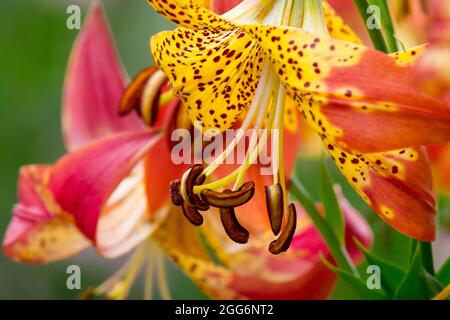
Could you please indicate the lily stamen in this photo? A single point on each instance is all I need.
(287, 233)
(175, 193)
(132, 97)
(192, 214)
(231, 225)
(275, 206)
(230, 199)
(151, 95)
(193, 176)
(143, 95)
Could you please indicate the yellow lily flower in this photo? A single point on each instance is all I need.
(366, 106)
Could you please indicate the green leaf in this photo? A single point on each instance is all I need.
(333, 213)
(386, 23)
(391, 274)
(358, 284)
(417, 282)
(444, 273)
(427, 257)
(375, 34)
(338, 251)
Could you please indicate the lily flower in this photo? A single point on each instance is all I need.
(109, 192)
(365, 105)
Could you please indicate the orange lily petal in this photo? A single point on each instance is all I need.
(396, 184)
(356, 97)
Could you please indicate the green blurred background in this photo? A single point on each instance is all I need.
(35, 45)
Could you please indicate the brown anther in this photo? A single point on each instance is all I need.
(88, 294)
(192, 214)
(131, 99)
(234, 230)
(175, 195)
(275, 206)
(229, 199)
(194, 178)
(287, 233)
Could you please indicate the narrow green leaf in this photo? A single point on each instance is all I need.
(427, 257)
(444, 273)
(358, 284)
(412, 250)
(417, 284)
(333, 213)
(338, 251)
(375, 34)
(391, 274)
(386, 23)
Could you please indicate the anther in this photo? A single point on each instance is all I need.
(175, 195)
(192, 214)
(142, 95)
(287, 233)
(194, 178)
(229, 199)
(275, 206)
(234, 230)
(131, 99)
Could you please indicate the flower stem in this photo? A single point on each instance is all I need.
(338, 251)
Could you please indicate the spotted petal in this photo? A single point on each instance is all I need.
(336, 26)
(190, 14)
(39, 232)
(357, 98)
(94, 83)
(215, 75)
(396, 184)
